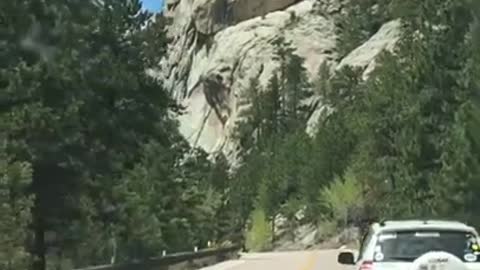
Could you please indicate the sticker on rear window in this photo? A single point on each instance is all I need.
(470, 257)
(387, 236)
(379, 256)
(427, 234)
(423, 267)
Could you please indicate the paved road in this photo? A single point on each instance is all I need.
(305, 260)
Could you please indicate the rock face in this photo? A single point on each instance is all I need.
(218, 46)
(365, 55)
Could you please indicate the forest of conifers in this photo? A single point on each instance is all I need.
(92, 164)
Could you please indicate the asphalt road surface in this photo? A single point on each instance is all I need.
(302, 260)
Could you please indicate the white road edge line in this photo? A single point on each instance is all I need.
(224, 265)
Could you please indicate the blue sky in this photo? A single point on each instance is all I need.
(153, 5)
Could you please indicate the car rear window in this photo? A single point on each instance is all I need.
(406, 246)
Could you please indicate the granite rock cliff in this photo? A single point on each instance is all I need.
(218, 46)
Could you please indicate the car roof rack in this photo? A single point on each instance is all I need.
(383, 222)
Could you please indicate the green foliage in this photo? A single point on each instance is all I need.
(293, 87)
(15, 209)
(111, 175)
(289, 210)
(259, 234)
(405, 140)
(284, 168)
(419, 92)
(361, 19)
(412, 151)
(279, 109)
(273, 139)
(160, 208)
(322, 83)
(341, 197)
(271, 194)
(253, 115)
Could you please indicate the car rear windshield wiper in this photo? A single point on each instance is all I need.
(402, 258)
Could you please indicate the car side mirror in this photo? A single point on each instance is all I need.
(346, 258)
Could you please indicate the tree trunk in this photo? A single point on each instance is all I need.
(39, 217)
(39, 249)
(273, 230)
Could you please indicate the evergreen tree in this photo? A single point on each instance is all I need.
(243, 192)
(78, 105)
(293, 86)
(273, 125)
(251, 116)
(298, 90)
(407, 116)
(359, 21)
(275, 122)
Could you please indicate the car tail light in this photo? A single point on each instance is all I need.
(366, 265)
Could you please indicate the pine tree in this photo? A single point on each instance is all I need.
(78, 105)
(293, 86)
(463, 145)
(275, 122)
(360, 20)
(251, 116)
(298, 90)
(408, 121)
(272, 119)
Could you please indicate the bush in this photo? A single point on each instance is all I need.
(326, 230)
(15, 206)
(341, 197)
(259, 235)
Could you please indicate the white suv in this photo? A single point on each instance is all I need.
(416, 245)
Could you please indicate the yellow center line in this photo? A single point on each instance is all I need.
(311, 260)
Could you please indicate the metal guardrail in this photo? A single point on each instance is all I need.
(165, 262)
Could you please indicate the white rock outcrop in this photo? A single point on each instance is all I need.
(363, 57)
(218, 46)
